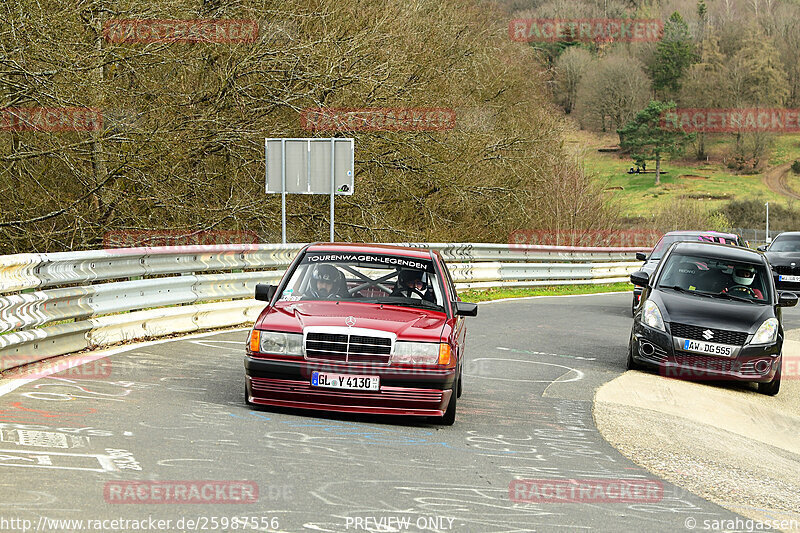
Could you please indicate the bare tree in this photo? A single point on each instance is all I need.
(612, 92)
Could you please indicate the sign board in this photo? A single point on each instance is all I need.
(304, 166)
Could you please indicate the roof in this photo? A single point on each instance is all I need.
(699, 233)
(407, 251)
(720, 251)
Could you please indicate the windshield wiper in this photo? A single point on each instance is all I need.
(728, 296)
(678, 288)
(402, 301)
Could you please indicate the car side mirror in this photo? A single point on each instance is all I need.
(265, 292)
(787, 299)
(641, 256)
(640, 278)
(762, 248)
(466, 309)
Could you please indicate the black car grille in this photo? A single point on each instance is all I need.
(717, 364)
(705, 362)
(348, 348)
(787, 270)
(721, 336)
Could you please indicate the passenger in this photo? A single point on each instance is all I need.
(410, 285)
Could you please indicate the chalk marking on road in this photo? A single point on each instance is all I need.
(45, 460)
(578, 374)
(213, 344)
(546, 353)
(14, 384)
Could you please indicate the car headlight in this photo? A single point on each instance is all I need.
(651, 316)
(273, 342)
(767, 333)
(421, 353)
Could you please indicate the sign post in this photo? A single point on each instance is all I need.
(309, 166)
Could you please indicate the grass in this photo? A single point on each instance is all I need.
(709, 182)
(485, 295)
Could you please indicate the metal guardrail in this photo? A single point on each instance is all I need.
(54, 304)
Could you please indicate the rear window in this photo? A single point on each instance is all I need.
(787, 243)
(666, 240)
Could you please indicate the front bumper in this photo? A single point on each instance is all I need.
(403, 391)
(655, 348)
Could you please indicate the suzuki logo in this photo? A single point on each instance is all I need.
(350, 321)
(708, 334)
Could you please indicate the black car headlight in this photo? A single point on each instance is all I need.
(651, 316)
(767, 333)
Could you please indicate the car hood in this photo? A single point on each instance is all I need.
(782, 258)
(405, 322)
(711, 312)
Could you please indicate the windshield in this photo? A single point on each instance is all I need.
(666, 240)
(785, 243)
(717, 277)
(376, 278)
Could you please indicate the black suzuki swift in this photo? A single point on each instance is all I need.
(710, 312)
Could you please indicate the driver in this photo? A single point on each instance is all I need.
(411, 285)
(326, 282)
(743, 277)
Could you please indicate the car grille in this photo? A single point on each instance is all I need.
(717, 364)
(705, 362)
(348, 348)
(787, 270)
(721, 336)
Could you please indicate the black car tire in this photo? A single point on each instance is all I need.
(246, 397)
(631, 364)
(771, 388)
(633, 306)
(449, 417)
(460, 388)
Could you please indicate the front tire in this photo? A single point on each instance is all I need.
(247, 396)
(771, 388)
(449, 417)
(631, 364)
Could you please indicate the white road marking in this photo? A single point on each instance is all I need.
(579, 374)
(546, 353)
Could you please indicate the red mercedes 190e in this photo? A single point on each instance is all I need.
(361, 329)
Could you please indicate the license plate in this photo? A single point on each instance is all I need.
(345, 381)
(708, 348)
(791, 279)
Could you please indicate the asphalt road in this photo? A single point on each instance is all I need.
(174, 412)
